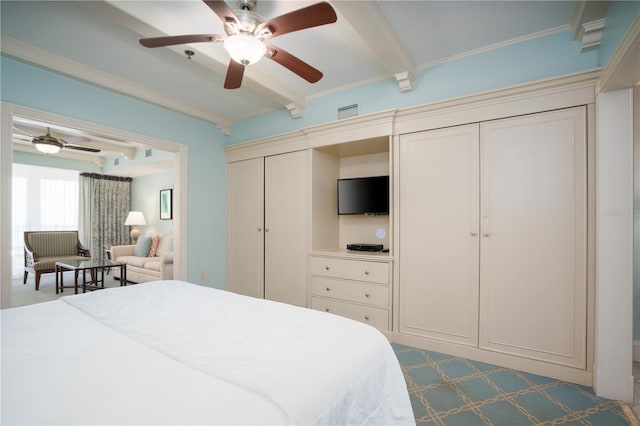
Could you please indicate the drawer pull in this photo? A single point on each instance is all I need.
(327, 268)
(366, 272)
(328, 289)
(366, 317)
(327, 309)
(366, 295)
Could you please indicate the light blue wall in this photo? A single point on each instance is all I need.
(28, 85)
(33, 87)
(145, 197)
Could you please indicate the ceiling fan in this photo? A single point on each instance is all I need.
(51, 145)
(246, 32)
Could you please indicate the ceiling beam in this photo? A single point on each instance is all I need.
(95, 159)
(44, 59)
(148, 21)
(368, 20)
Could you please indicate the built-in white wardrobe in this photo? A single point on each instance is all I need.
(493, 236)
(490, 233)
(267, 227)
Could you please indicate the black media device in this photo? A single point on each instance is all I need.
(367, 195)
(364, 247)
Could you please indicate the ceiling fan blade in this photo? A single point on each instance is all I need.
(223, 11)
(81, 148)
(293, 63)
(179, 39)
(24, 138)
(234, 75)
(75, 139)
(23, 132)
(307, 17)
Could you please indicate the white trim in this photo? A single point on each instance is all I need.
(614, 245)
(44, 59)
(494, 46)
(180, 184)
(543, 95)
(570, 374)
(441, 61)
(6, 165)
(622, 70)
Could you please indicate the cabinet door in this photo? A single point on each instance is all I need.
(286, 228)
(533, 283)
(439, 234)
(245, 218)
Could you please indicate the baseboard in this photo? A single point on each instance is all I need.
(636, 350)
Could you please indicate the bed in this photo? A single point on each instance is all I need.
(170, 352)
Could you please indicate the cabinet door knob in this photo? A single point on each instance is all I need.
(474, 233)
(259, 229)
(326, 309)
(326, 267)
(266, 229)
(328, 289)
(366, 272)
(366, 317)
(486, 234)
(366, 295)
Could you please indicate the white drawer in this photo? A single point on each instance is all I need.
(361, 270)
(353, 291)
(376, 317)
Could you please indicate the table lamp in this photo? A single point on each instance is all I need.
(134, 219)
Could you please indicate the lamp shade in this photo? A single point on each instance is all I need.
(135, 218)
(244, 49)
(48, 147)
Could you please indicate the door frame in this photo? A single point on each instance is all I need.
(8, 111)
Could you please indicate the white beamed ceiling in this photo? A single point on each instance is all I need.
(97, 41)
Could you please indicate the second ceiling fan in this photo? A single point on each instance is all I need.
(246, 33)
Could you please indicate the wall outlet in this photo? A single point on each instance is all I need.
(201, 275)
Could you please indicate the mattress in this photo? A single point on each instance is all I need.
(170, 352)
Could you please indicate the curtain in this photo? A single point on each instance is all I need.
(43, 199)
(104, 205)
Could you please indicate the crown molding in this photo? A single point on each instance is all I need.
(494, 46)
(351, 129)
(552, 93)
(59, 64)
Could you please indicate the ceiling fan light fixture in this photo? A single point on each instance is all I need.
(244, 49)
(47, 146)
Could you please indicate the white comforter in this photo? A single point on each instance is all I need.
(173, 352)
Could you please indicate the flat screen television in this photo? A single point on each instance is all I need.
(367, 195)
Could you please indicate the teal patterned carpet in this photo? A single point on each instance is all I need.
(448, 390)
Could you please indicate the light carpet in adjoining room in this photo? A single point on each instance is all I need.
(25, 294)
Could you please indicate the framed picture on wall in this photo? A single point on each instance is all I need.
(166, 204)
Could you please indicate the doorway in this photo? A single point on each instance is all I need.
(9, 112)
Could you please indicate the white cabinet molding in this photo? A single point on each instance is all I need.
(554, 93)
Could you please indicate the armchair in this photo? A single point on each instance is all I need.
(42, 249)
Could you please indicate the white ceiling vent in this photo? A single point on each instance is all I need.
(347, 111)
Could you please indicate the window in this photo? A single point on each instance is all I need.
(44, 199)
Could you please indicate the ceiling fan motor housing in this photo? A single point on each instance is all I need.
(247, 22)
